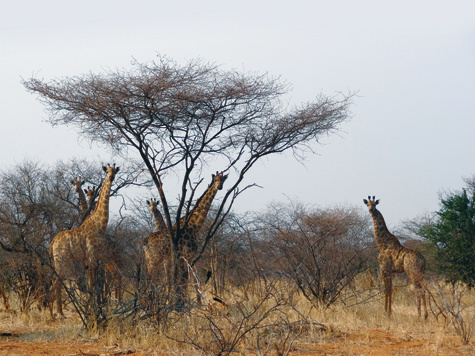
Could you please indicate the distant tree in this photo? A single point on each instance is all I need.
(470, 182)
(36, 202)
(228, 256)
(319, 250)
(31, 199)
(453, 238)
(180, 119)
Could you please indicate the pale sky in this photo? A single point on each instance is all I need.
(412, 63)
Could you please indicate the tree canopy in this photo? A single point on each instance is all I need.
(182, 118)
(453, 237)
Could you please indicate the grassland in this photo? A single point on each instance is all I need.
(260, 324)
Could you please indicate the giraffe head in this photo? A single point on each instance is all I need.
(91, 193)
(111, 170)
(220, 178)
(77, 183)
(153, 203)
(371, 204)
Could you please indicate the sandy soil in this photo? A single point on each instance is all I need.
(372, 342)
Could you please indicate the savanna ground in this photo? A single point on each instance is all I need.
(339, 330)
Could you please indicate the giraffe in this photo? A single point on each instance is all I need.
(198, 214)
(395, 258)
(159, 222)
(112, 265)
(113, 260)
(78, 183)
(157, 242)
(91, 195)
(85, 244)
(157, 245)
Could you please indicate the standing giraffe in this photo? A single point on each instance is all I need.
(113, 263)
(157, 244)
(78, 183)
(395, 258)
(85, 244)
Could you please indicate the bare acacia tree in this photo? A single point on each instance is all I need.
(181, 118)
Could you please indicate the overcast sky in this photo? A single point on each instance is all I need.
(412, 131)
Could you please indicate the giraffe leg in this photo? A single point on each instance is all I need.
(118, 287)
(5, 300)
(115, 277)
(57, 296)
(424, 304)
(421, 299)
(389, 303)
(388, 286)
(419, 305)
(91, 286)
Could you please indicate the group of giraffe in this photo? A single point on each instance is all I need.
(83, 248)
(157, 248)
(87, 243)
(87, 246)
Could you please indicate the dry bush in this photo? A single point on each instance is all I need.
(219, 330)
(459, 308)
(319, 250)
(364, 288)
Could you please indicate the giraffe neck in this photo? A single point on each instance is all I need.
(201, 209)
(159, 222)
(82, 198)
(100, 216)
(383, 237)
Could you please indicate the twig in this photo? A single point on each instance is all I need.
(128, 352)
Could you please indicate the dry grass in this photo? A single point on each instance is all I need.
(267, 321)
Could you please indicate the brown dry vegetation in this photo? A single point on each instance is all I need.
(293, 327)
